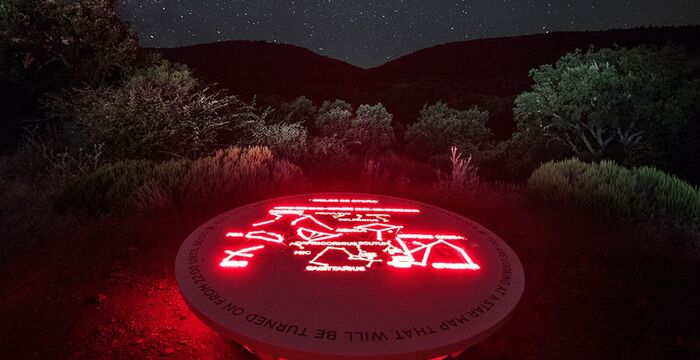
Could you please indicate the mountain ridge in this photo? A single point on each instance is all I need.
(485, 72)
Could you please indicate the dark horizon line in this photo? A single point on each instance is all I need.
(433, 46)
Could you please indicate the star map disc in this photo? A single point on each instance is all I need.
(348, 276)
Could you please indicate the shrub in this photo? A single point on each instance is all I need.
(227, 176)
(42, 152)
(639, 194)
(333, 118)
(159, 112)
(527, 149)
(439, 128)
(367, 133)
(48, 45)
(370, 132)
(300, 111)
(288, 141)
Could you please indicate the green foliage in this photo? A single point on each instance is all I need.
(626, 104)
(136, 184)
(370, 132)
(333, 118)
(367, 133)
(528, 148)
(641, 194)
(159, 112)
(439, 128)
(328, 106)
(51, 44)
(285, 140)
(300, 111)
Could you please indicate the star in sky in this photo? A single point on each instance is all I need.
(369, 33)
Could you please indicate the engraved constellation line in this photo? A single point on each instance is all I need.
(326, 246)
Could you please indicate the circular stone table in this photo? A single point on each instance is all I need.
(348, 276)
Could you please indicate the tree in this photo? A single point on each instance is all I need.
(628, 104)
(51, 44)
(439, 128)
(158, 112)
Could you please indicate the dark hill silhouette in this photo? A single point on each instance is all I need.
(486, 72)
(514, 56)
(251, 68)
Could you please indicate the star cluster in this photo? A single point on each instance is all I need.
(369, 33)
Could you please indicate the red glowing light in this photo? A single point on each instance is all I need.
(354, 201)
(313, 235)
(379, 229)
(264, 223)
(361, 255)
(344, 208)
(265, 236)
(325, 246)
(230, 262)
(312, 219)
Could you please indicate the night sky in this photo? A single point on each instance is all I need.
(369, 33)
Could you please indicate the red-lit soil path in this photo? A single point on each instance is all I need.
(102, 288)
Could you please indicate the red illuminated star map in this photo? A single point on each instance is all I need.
(348, 235)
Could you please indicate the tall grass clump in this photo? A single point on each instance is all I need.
(229, 176)
(641, 195)
(464, 175)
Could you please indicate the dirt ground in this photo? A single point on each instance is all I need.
(105, 288)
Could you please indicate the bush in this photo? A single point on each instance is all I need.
(439, 128)
(228, 176)
(300, 111)
(285, 140)
(48, 45)
(527, 149)
(630, 105)
(370, 133)
(159, 112)
(333, 118)
(639, 195)
(366, 134)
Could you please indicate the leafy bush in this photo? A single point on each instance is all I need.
(640, 194)
(368, 132)
(300, 111)
(439, 128)
(47, 44)
(285, 140)
(159, 112)
(333, 118)
(631, 105)
(527, 149)
(229, 175)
